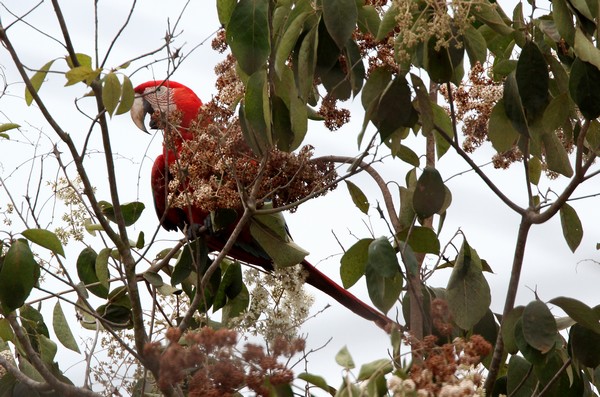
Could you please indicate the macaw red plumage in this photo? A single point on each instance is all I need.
(166, 97)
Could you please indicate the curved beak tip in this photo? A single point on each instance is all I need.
(138, 113)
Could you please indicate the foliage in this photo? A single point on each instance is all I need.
(535, 80)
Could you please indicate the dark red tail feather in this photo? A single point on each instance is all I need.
(314, 277)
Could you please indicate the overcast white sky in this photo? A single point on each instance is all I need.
(550, 268)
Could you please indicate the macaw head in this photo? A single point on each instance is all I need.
(164, 97)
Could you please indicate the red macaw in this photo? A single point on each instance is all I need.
(169, 96)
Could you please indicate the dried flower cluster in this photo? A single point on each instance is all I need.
(474, 101)
(448, 370)
(278, 303)
(334, 116)
(209, 365)
(70, 193)
(7, 213)
(229, 86)
(420, 21)
(217, 167)
(117, 369)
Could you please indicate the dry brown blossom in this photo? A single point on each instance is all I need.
(441, 316)
(334, 117)
(440, 370)
(216, 167)
(208, 363)
(474, 101)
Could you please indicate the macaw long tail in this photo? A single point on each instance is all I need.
(315, 278)
(323, 283)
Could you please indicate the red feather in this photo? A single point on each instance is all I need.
(172, 218)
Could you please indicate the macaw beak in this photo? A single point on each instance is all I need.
(140, 108)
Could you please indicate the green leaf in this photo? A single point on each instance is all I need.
(8, 127)
(288, 41)
(394, 110)
(475, 45)
(82, 60)
(256, 107)
(153, 278)
(424, 105)
(101, 267)
(340, 18)
(36, 81)
(6, 332)
(382, 257)
(406, 154)
(358, 197)
(486, 13)
(368, 19)
(409, 259)
(539, 326)
(111, 92)
(585, 49)
(443, 123)
(593, 136)
(508, 329)
(131, 211)
(289, 113)
(535, 170)
(354, 262)
(383, 291)
(388, 22)
(571, 226)
(86, 271)
(315, 380)
(429, 194)
(442, 64)
(521, 382)
(468, 291)
(248, 34)
(236, 306)
(127, 96)
(46, 239)
(513, 105)
(344, 359)
(585, 346)
(375, 368)
(557, 113)
(407, 213)
(81, 73)
(18, 275)
(563, 18)
(500, 129)
(584, 87)
(557, 157)
(62, 329)
(379, 79)
(193, 257)
(230, 286)
(504, 67)
(421, 239)
(271, 234)
(307, 61)
(224, 10)
(532, 80)
(357, 71)
(578, 311)
(518, 24)
(47, 348)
